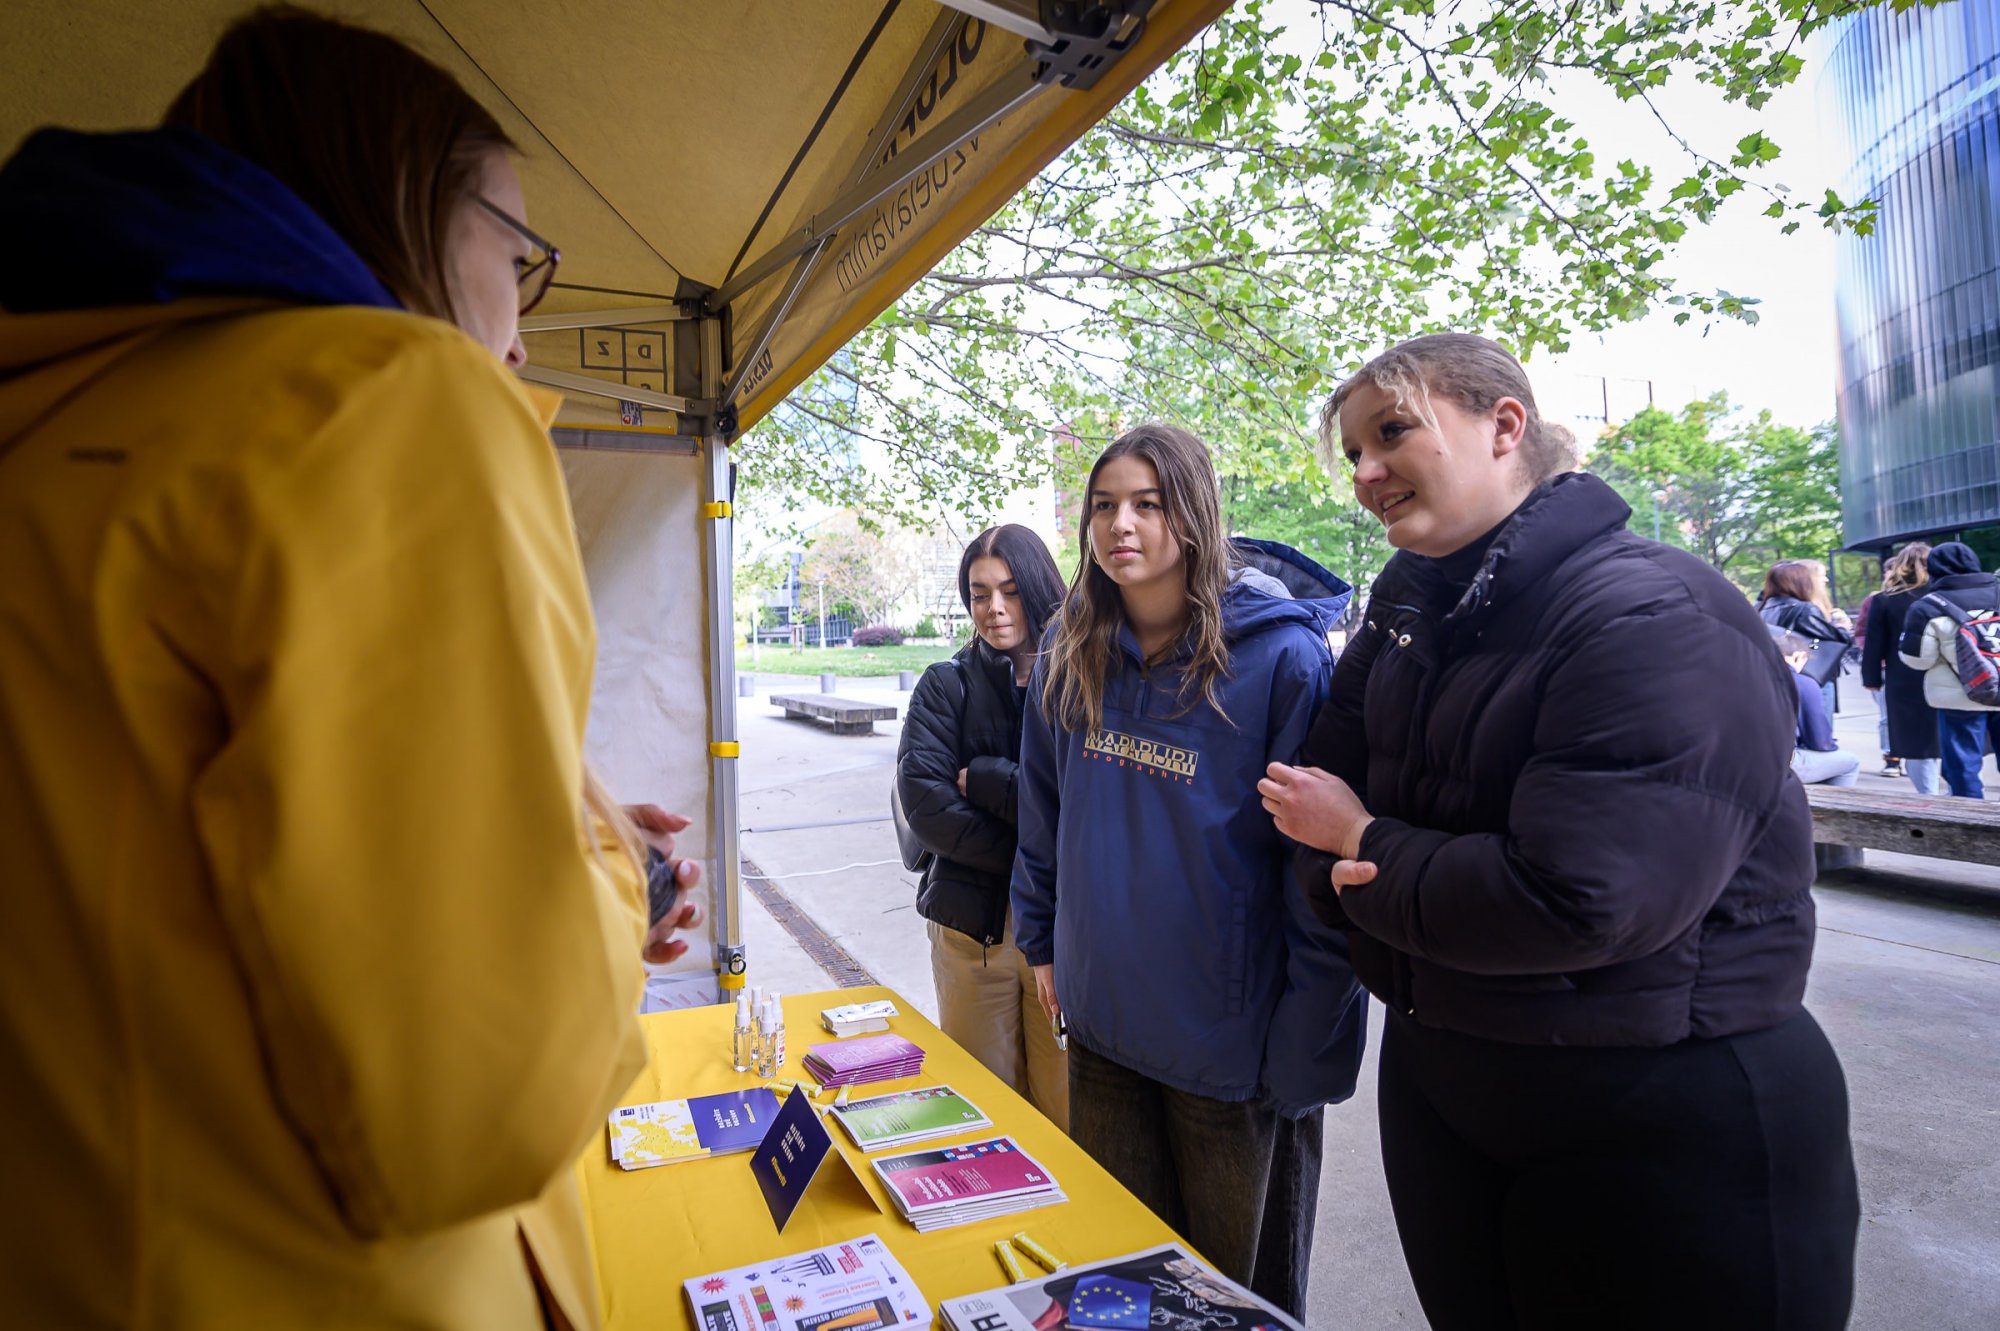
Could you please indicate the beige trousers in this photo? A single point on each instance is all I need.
(987, 1003)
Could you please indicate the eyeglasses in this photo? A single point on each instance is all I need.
(534, 275)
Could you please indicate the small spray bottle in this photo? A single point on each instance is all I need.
(777, 1030)
(742, 1049)
(756, 1020)
(766, 1043)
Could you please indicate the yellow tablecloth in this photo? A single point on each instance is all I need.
(654, 1228)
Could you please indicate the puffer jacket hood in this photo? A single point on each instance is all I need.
(1951, 558)
(1151, 877)
(154, 216)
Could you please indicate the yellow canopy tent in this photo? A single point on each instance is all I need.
(737, 186)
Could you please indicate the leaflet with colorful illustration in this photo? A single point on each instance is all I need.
(902, 1117)
(1165, 1286)
(669, 1131)
(852, 1286)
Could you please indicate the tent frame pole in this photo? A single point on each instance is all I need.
(718, 535)
(1000, 99)
(944, 31)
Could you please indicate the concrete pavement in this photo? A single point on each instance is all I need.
(1906, 981)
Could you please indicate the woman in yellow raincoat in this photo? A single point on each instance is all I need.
(318, 976)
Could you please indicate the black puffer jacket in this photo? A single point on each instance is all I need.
(1586, 826)
(966, 713)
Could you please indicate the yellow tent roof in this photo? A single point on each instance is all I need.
(794, 166)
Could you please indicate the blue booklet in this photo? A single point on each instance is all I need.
(670, 1131)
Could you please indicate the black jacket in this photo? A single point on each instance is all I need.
(966, 712)
(1586, 827)
(1803, 618)
(1913, 731)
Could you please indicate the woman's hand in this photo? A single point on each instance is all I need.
(1045, 990)
(1315, 808)
(657, 828)
(961, 781)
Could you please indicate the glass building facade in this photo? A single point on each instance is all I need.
(1911, 105)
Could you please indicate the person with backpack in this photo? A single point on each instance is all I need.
(955, 785)
(1952, 634)
(1912, 730)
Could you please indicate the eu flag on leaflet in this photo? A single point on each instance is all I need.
(1109, 1301)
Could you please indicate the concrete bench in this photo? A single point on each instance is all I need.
(1847, 820)
(849, 716)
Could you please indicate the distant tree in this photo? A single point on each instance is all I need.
(869, 570)
(1740, 492)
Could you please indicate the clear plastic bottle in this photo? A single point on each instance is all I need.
(742, 1048)
(775, 1024)
(756, 1021)
(766, 1043)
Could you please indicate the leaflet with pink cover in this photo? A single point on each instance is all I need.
(954, 1175)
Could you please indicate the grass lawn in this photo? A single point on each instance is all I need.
(837, 660)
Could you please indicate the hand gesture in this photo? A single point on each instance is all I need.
(657, 828)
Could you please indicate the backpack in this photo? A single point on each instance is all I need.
(1976, 642)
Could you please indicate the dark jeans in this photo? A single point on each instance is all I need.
(1962, 745)
(1708, 1184)
(1237, 1180)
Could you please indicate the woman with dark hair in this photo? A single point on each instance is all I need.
(1210, 1015)
(955, 776)
(1795, 598)
(1550, 798)
(1912, 724)
(323, 947)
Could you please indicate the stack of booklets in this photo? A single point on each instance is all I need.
(956, 1185)
(858, 1018)
(870, 1058)
(1165, 1286)
(902, 1117)
(670, 1131)
(853, 1286)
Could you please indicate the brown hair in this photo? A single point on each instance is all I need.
(377, 140)
(1906, 570)
(1087, 630)
(1800, 579)
(1472, 373)
(383, 145)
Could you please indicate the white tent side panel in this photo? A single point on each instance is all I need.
(636, 515)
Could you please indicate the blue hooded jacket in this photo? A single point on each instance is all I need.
(1150, 874)
(152, 216)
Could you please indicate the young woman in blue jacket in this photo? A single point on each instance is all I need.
(1209, 1015)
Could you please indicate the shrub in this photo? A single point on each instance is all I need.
(926, 628)
(878, 635)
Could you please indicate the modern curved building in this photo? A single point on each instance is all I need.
(1911, 103)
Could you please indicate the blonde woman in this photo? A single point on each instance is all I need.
(1912, 724)
(1551, 800)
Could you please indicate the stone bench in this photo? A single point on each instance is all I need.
(1846, 820)
(848, 716)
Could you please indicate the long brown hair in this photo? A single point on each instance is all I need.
(1087, 630)
(377, 140)
(1800, 579)
(1906, 570)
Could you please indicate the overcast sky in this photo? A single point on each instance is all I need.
(1786, 362)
